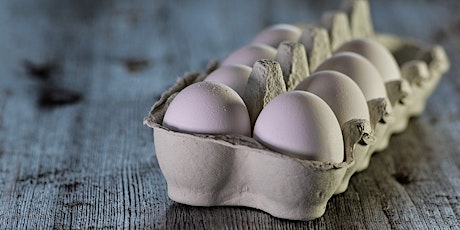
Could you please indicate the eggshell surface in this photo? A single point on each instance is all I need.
(208, 108)
(340, 92)
(233, 76)
(377, 54)
(249, 54)
(360, 70)
(274, 35)
(302, 125)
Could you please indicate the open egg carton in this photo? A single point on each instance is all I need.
(243, 170)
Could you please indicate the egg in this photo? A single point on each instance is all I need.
(208, 108)
(249, 54)
(234, 76)
(360, 70)
(301, 125)
(340, 92)
(274, 35)
(377, 54)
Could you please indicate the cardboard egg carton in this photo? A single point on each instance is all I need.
(220, 170)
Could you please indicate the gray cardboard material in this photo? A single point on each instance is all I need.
(220, 170)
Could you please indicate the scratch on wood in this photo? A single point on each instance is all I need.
(446, 33)
(77, 203)
(43, 177)
(103, 227)
(50, 95)
(43, 71)
(439, 35)
(388, 210)
(55, 96)
(12, 188)
(136, 65)
(403, 178)
(71, 185)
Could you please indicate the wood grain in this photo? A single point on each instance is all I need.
(90, 163)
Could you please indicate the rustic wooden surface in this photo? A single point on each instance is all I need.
(77, 78)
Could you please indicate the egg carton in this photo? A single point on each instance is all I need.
(229, 170)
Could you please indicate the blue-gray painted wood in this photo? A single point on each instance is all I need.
(77, 78)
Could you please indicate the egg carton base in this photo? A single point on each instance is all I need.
(222, 170)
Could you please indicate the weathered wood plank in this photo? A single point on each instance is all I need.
(90, 163)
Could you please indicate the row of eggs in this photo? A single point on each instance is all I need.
(304, 123)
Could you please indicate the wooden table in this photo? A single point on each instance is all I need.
(77, 78)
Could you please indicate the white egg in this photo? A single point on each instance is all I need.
(234, 76)
(249, 54)
(340, 92)
(377, 54)
(302, 125)
(274, 35)
(360, 70)
(208, 108)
